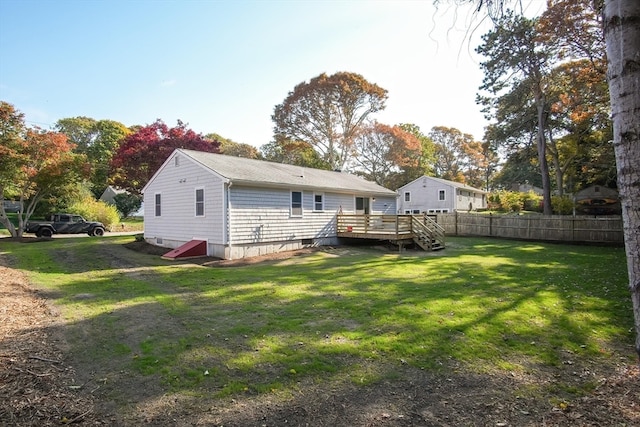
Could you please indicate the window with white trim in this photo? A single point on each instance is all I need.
(407, 196)
(441, 195)
(318, 202)
(199, 201)
(296, 203)
(158, 204)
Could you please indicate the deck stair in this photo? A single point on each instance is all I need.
(427, 233)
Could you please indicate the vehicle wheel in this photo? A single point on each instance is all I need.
(45, 232)
(98, 231)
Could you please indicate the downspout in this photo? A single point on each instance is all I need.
(229, 218)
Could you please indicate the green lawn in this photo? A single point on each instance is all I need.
(346, 314)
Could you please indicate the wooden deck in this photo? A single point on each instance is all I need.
(396, 228)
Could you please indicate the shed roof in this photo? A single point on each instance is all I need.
(241, 170)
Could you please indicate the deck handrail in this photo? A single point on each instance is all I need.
(390, 226)
(423, 225)
(373, 223)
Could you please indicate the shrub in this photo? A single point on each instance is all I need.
(511, 201)
(96, 210)
(493, 201)
(562, 205)
(506, 201)
(532, 201)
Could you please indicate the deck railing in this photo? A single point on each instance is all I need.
(393, 225)
(424, 230)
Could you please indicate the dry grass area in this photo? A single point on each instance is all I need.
(37, 386)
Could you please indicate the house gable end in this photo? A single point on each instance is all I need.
(171, 161)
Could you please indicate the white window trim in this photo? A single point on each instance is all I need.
(156, 205)
(195, 199)
(407, 193)
(291, 214)
(444, 195)
(314, 202)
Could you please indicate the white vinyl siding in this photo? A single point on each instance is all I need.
(433, 195)
(199, 201)
(263, 215)
(178, 222)
(242, 219)
(158, 204)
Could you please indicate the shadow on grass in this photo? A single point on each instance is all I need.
(145, 327)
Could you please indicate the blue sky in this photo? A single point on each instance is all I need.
(222, 66)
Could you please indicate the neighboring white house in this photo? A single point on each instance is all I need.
(109, 194)
(244, 207)
(435, 195)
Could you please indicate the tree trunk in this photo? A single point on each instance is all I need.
(558, 169)
(621, 19)
(542, 157)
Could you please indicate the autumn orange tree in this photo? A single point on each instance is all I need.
(582, 132)
(459, 157)
(34, 164)
(327, 112)
(424, 164)
(381, 152)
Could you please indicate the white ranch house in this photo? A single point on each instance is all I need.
(435, 195)
(244, 207)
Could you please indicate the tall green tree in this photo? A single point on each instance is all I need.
(327, 113)
(621, 31)
(98, 140)
(515, 57)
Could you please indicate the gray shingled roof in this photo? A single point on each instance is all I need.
(258, 172)
(447, 182)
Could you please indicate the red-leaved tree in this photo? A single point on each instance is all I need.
(142, 153)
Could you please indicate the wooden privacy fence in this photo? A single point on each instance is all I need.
(535, 227)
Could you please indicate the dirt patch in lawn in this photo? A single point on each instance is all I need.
(40, 385)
